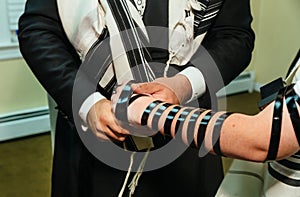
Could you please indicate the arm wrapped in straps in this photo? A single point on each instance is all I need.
(272, 134)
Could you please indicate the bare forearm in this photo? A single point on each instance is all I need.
(238, 136)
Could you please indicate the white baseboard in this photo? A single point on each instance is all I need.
(22, 124)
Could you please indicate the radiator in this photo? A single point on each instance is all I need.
(24, 123)
(243, 83)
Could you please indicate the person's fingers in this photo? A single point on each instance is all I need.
(112, 134)
(111, 128)
(99, 134)
(157, 90)
(148, 88)
(102, 136)
(136, 86)
(118, 129)
(102, 122)
(108, 132)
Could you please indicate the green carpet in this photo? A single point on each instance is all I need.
(25, 167)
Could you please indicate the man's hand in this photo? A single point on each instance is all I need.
(173, 90)
(102, 122)
(157, 90)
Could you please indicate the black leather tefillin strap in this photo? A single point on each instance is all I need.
(157, 115)
(217, 133)
(180, 121)
(169, 119)
(276, 126)
(290, 99)
(202, 127)
(133, 98)
(123, 102)
(145, 116)
(192, 124)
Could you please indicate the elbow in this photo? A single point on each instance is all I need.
(258, 155)
(283, 150)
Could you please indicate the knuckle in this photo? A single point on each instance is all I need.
(98, 126)
(121, 139)
(104, 119)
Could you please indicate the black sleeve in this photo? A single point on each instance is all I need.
(229, 41)
(48, 52)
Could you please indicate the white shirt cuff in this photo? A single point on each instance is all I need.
(87, 105)
(197, 81)
(297, 88)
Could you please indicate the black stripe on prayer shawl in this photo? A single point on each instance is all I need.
(107, 90)
(203, 18)
(297, 155)
(290, 164)
(132, 39)
(102, 61)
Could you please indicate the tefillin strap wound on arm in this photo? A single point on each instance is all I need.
(217, 133)
(157, 115)
(291, 98)
(202, 127)
(181, 119)
(123, 102)
(276, 126)
(148, 110)
(169, 119)
(192, 125)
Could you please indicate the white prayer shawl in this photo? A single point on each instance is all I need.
(86, 20)
(83, 22)
(117, 10)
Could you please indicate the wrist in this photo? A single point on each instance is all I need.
(136, 109)
(197, 82)
(87, 106)
(184, 90)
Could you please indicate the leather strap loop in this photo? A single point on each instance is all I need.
(217, 133)
(293, 111)
(276, 126)
(202, 127)
(123, 102)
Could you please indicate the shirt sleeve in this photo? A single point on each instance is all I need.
(87, 105)
(297, 81)
(196, 80)
(297, 88)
